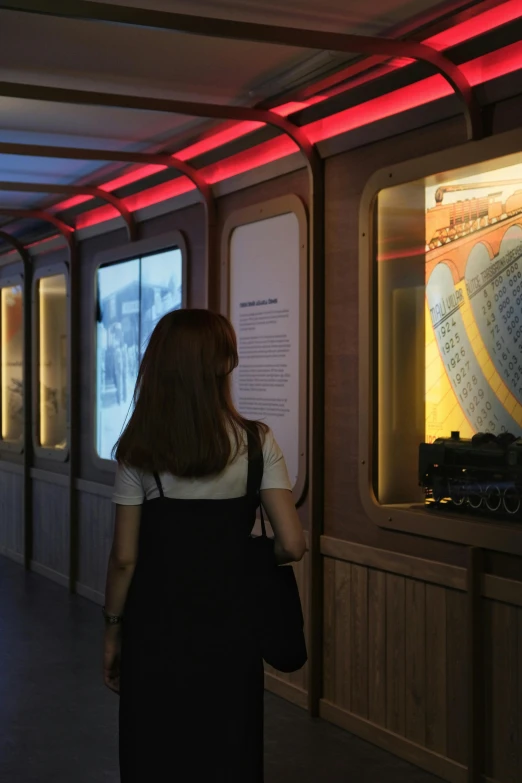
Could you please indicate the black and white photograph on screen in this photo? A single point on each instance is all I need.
(132, 297)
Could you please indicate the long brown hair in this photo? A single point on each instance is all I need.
(183, 410)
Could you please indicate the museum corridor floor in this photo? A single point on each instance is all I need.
(58, 723)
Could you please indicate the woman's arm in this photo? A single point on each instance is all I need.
(290, 543)
(122, 560)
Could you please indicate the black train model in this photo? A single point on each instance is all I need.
(481, 475)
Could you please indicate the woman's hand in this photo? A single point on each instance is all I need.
(111, 658)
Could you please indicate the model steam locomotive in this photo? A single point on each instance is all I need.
(481, 475)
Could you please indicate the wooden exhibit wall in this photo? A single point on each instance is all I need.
(422, 641)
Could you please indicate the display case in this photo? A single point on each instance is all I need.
(51, 355)
(441, 442)
(131, 297)
(11, 364)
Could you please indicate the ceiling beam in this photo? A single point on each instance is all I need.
(17, 245)
(85, 10)
(36, 92)
(143, 158)
(66, 231)
(76, 190)
(416, 29)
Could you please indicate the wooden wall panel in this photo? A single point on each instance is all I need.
(436, 715)
(359, 639)
(11, 513)
(457, 676)
(415, 670)
(96, 525)
(503, 672)
(395, 652)
(342, 647)
(51, 528)
(377, 647)
(331, 619)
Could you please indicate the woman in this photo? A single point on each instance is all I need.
(180, 643)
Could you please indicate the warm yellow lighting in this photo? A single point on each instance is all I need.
(53, 361)
(11, 370)
(474, 293)
(448, 315)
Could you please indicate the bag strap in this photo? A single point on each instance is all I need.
(158, 484)
(255, 476)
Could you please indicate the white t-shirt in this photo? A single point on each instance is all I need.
(132, 485)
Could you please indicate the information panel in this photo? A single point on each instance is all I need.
(265, 308)
(474, 304)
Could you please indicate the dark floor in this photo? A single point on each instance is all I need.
(58, 723)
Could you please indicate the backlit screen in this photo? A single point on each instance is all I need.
(132, 297)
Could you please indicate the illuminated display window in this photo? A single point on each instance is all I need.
(447, 340)
(132, 296)
(11, 365)
(52, 362)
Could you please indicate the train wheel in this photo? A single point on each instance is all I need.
(493, 498)
(457, 494)
(475, 496)
(511, 500)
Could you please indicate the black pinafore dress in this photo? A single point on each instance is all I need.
(191, 679)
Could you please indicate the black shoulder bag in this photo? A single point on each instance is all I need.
(279, 611)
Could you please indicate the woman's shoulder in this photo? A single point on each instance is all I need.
(269, 444)
(267, 439)
(271, 448)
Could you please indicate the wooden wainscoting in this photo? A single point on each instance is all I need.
(502, 613)
(51, 535)
(96, 526)
(12, 511)
(293, 687)
(395, 654)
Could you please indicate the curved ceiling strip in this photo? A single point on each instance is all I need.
(17, 245)
(263, 33)
(209, 110)
(38, 214)
(37, 92)
(75, 153)
(87, 190)
(145, 158)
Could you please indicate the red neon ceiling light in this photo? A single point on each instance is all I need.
(478, 71)
(224, 136)
(488, 20)
(465, 31)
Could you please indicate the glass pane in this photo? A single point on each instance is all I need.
(53, 362)
(474, 304)
(160, 290)
(11, 377)
(117, 359)
(449, 339)
(132, 298)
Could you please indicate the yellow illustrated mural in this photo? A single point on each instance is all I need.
(474, 305)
